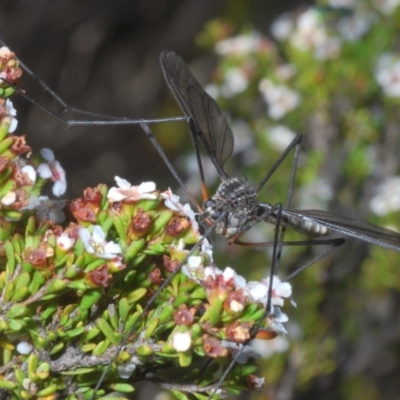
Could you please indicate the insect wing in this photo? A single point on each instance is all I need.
(351, 227)
(208, 120)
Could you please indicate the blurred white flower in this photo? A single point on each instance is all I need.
(280, 136)
(235, 81)
(328, 49)
(341, 3)
(285, 71)
(282, 27)
(9, 198)
(24, 348)
(268, 347)
(387, 74)
(387, 198)
(354, 27)
(30, 172)
(279, 98)
(386, 6)
(315, 195)
(181, 341)
(310, 31)
(47, 209)
(53, 170)
(241, 44)
(11, 112)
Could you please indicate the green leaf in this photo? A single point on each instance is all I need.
(108, 331)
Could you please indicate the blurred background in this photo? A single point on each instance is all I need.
(329, 70)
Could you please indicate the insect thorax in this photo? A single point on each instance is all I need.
(237, 200)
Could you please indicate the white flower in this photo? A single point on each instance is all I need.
(242, 44)
(24, 348)
(235, 81)
(277, 319)
(181, 341)
(12, 112)
(206, 247)
(342, 3)
(125, 371)
(95, 243)
(282, 27)
(9, 198)
(387, 74)
(327, 49)
(285, 72)
(354, 27)
(245, 352)
(387, 198)
(47, 209)
(268, 347)
(258, 291)
(309, 32)
(125, 191)
(54, 171)
(279, 98)
(280, 136)
(30, 172)
(65, 242)
(172, 202)
(386, 6)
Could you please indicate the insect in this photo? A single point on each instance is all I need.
(235, 198)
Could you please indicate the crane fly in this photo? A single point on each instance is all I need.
(236, 198)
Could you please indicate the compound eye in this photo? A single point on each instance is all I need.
(209, 203)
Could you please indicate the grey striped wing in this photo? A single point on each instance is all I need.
(209, 122)
(358, 229)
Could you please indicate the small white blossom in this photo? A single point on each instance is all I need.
(181, 341)
(279, 98)
(280, 136)
(285, 72)
(30, 172)
(47, 209)
(9, 198)
(354, 27)
(125, 191)
(95, 243)
(387, 198)
(242, 44)
(268, 347)
(125, 371)
(24, 348)
(282, 27)
(206, 247)
(258, 291)
(65, 242)
(328, 49)
(194, 262)
(54, 171)
(235, 81)
(172, 202)
(387, 74)
(12, 112)
(386, 6)
(310, 31)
